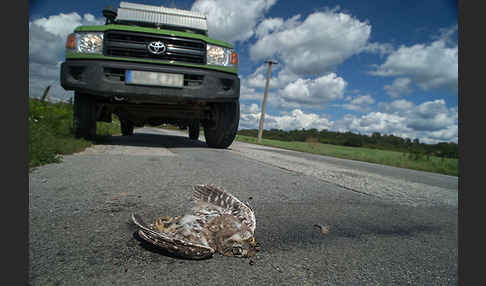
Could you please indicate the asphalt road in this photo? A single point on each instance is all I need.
(387, 226)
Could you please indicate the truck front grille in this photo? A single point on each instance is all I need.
(134, 45)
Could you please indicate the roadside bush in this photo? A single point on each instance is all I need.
(51, 132)
(353, 142)
(417, 154)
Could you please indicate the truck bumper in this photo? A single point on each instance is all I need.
(106, 80)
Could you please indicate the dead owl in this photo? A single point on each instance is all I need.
(219, 222)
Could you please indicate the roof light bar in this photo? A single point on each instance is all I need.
(160, 15)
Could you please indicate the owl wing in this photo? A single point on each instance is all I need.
(175, 246)
(209, 198)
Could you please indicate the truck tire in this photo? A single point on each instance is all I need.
(194, 130)
(84, 119)
(126, 127)
(222, 132)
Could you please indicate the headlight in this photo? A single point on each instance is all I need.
(220, 56)
(86, 42)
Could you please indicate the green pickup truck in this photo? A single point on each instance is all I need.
(153, 65)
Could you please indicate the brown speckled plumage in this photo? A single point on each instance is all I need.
(219, 222)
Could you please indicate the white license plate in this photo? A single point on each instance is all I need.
(154, 78)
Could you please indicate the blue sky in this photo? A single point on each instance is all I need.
(361, 66)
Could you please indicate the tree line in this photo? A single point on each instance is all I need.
(375, 141)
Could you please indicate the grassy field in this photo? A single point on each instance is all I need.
(51, 134)
(397, 159)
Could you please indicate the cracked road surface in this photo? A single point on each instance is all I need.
(387, 226)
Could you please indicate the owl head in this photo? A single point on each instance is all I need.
(239, 247)
(234, 238)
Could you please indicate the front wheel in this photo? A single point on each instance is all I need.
(84, 116)
(222, 131)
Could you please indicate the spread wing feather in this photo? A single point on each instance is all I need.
(166, 242)
(208, 196)
(214, 195)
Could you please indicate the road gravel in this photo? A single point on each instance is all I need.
(386, 226)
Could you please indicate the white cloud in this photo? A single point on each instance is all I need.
(433, 65)
(313, 46)
(235, 20)
(400, 86)
(258, 77)
(250, 121)
(289, 91)
(252, 108)
(372, 122)
(432, 116)
(47, 38)
(249, 93)
(360, 103)
(268, 25)
(396, 106)
(378, 48)
(430, 121)
(64, 24)
(296, 119)
(312, 92)
(363, 100)
(44, 47)
(448, 134)
(279, 77)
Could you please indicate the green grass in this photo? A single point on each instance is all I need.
(391, 158)
(51, 134)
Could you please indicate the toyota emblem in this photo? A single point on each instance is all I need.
(156, 47)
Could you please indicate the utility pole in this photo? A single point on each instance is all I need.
(262, 116)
